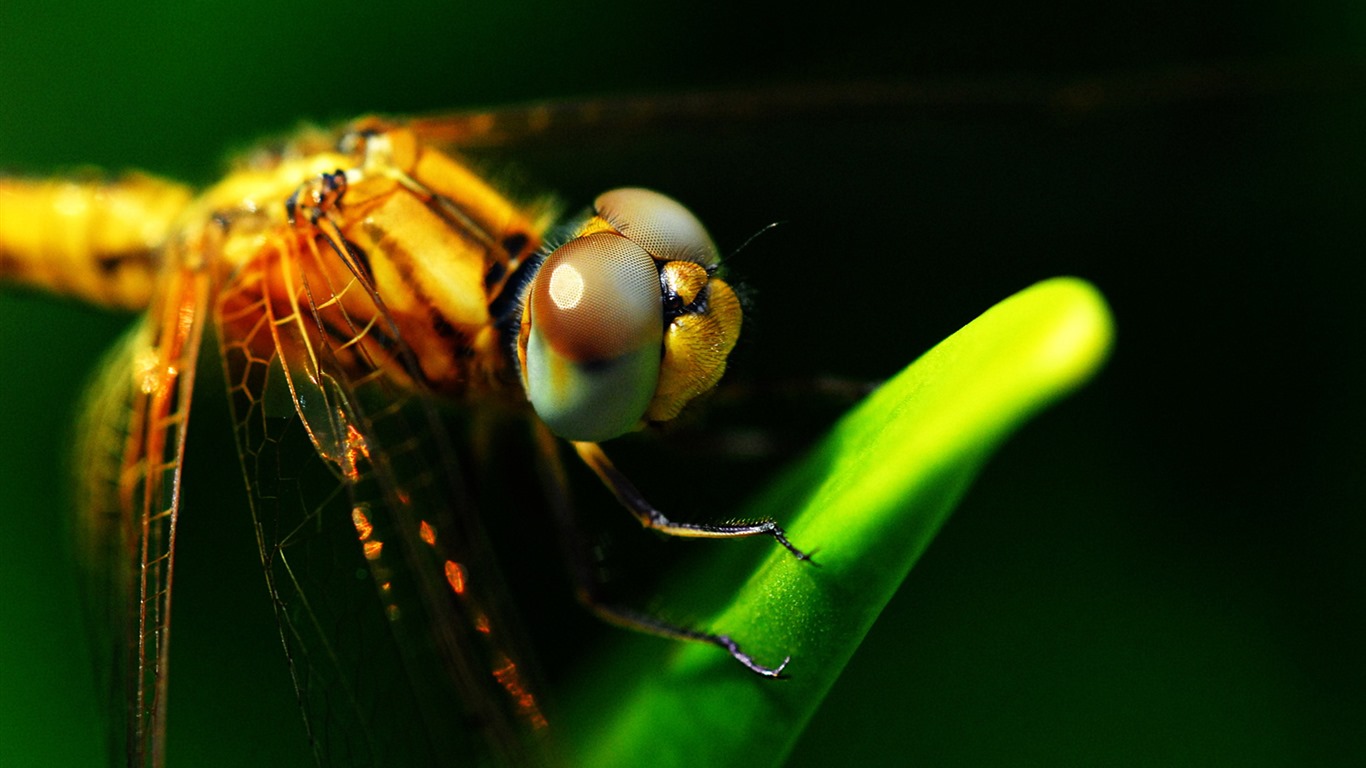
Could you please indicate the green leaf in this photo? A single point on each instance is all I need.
(868, 501)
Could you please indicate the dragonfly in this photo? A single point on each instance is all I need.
(358, 282)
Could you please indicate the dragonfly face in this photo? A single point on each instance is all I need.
(591, 337)
(355, 282)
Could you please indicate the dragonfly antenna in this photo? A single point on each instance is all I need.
(751, 239)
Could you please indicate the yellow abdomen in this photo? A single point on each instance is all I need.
(96, 240)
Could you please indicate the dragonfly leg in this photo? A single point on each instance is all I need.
(584, 573)
(650, 517)
(642, 622)
(317, 196)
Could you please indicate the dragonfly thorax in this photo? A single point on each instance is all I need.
(407, 261)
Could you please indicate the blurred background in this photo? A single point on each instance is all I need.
(1166, 568)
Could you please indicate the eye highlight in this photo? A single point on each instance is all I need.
(593, 337)
(596, 298)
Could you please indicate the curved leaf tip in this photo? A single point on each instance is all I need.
(870, 499)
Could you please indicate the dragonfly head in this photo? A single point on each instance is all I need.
(626, 322)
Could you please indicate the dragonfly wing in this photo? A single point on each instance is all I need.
(599, 121)
(133, 445)
(388, 609)
(573, 121)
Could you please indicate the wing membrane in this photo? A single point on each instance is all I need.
(597, 121)
(134, 442)
(351, 472)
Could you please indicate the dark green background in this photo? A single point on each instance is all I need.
(1165, 569)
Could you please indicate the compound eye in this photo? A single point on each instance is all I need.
(596, 298)
(659, 224)
(596, 332)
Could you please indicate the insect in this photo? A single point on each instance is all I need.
(356, 281)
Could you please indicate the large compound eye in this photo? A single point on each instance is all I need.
(659, 224)
(593, 349)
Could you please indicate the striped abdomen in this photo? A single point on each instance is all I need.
(96, 240)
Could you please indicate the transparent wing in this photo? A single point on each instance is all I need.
(134, 443)
(571, 122)
(387, 603)
(597, 121)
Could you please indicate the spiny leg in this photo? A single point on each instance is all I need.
(576, 553)
(631, 498)
(643, 622)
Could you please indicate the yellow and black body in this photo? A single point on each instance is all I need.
(354, 279)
